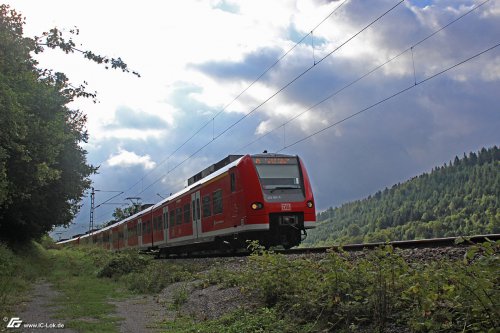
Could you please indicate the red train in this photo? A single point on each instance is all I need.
(264, 197)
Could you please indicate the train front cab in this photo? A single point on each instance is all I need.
(279, 198)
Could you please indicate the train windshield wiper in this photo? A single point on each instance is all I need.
(284, 188)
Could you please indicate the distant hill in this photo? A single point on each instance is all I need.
(459, 198)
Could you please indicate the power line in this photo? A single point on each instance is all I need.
(253, 110)
(363, 76)
(278, 92)
(351, 116)
(237, 96)
(390, 97)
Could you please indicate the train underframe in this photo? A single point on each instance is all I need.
(285, 229)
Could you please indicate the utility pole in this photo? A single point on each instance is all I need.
(92, 208)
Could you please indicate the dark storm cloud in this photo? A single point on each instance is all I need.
(402, 138)
(127, 118)
(249, 68)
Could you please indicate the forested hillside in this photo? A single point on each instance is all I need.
(459, 198)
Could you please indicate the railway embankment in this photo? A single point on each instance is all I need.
(446, 289)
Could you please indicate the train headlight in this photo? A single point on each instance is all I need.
(257, 206)
(310, 204)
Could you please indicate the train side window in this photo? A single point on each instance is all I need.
(233, 182)
(217, 202)
(187, 215)
(207, 211)
(178, 216)
(172, 217)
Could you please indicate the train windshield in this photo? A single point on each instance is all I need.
(278, 173)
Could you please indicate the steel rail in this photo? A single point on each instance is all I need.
(403, 244)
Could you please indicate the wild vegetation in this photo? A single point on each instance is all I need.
(43, 168)
(380, 291)
(459, 198)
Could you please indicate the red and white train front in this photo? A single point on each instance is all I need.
(278, 197)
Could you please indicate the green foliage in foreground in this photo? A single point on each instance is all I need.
(141, 274)
(18, 270)
(377, 292)
(84, 303)
(462, 198)
(381, 291)
(262, 320)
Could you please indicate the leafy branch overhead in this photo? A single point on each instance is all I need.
(54, 39)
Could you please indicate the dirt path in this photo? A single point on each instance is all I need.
(140, 314)
(40, 311)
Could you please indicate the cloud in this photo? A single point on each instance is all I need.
(127, 118)
(247, 69)
(126, 159)
(227, 6)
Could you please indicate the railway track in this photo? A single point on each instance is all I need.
(407, 244)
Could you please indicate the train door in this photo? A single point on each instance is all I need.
(139, 232)
(233, 201)
(195, 204)
(165, 225)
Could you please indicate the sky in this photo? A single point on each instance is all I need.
(198, 98)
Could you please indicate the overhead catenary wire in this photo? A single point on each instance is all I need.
(265, 101)
(353, 115)
(212, 120)
(224, 108)
(278, 91)
(376, 68)
(391, 97)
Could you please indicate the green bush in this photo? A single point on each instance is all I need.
(155, 276)
(123, 263)
(18, 269)
(380, 290)
(262, 320)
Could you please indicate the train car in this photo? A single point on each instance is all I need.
(264, 197)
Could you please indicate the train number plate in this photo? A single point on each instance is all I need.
(286, 207)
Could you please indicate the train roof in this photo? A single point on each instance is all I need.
(64, 241)
(213, 168)
(218, 172)
(264, 155)
(200, 178)
(211, 176)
